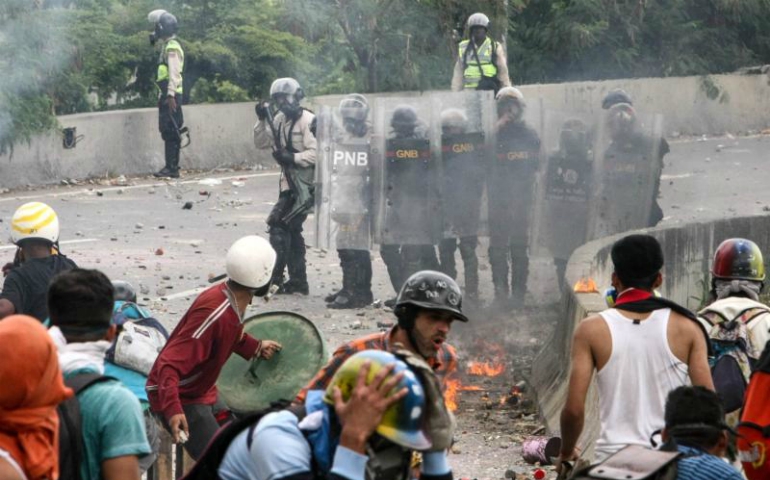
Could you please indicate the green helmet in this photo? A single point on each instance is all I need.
(403, 421)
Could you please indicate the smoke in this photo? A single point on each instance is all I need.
(33, 51)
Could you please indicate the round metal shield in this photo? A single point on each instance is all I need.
(248, 386)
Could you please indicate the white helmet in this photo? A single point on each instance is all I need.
(289, 86)
(454, 118)
(155, 15)
(250, 262)
(478, 20)
(510, 92)
(35, 220)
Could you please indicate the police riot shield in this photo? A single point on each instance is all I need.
(465, 121)
(253, 385)
(404, 146)
(343, 177)
(565, 188)
(629, 152)
(514, 165)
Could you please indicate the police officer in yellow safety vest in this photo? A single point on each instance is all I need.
(481, 64)
(169, 81)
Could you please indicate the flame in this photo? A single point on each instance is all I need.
(586, 285)
(486, 369)
(450, 394)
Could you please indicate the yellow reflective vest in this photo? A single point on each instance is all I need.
(472, 73)
(162, 78)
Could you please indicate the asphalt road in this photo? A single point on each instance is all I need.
(140, 233)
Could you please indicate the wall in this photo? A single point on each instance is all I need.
(688, 250)
(127, 141)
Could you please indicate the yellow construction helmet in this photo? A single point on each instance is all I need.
(35, 220)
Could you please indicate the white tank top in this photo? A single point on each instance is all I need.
(634, 383)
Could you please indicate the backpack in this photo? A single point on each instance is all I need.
(731, 362)
(70, 424)
(207, 466)
(754, 427)
(140, 341)
(635, 462)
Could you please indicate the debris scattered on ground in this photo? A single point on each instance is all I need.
(159, 252)
(210, 182)
(187, 206)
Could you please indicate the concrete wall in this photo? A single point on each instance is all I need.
(688, 250)
(127, 142)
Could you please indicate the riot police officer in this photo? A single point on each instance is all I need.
(351, 203)
(408, 180)
(510, 187)
(169, 81)
(289, 134)
(463, 189)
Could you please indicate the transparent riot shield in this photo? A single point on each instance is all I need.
(566, 185)
(344, 179)
(465, 121)
(512, 176)
(404, 147)
(629, 150)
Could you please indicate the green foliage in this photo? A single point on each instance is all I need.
(68, 56)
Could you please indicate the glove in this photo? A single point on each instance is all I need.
(439, 422)
(261, 109)
(284, 158)
(314, 126)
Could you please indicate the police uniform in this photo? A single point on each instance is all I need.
(169, 81)
(491, 57)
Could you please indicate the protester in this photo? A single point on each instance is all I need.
(641, 349)
(424, 323)
(35, 232)
(375, 414)
(695, 424)
(80, 304)
(181, 386)
(32, 386)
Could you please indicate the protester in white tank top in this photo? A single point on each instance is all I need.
(641, 350)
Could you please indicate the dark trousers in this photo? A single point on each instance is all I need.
(287, 241)
(356, 271)
(169, 124)
(500, 256)
(203, 425)
(402, 261)
(447, 249)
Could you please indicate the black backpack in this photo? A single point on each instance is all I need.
(70, 425)
(207, 466)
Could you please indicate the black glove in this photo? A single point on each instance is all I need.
(284, 158)
(314, 126)
(261, 109)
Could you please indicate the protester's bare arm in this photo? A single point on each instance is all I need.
(121, 468)
(697, 360)
(7, 472)
(6, 308)
(573, 414)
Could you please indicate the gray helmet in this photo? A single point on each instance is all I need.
(165, 24)
(124, 291)
(614, 97)
(478, 20)
(433, 291)
(354, 107)
(454, 118)
(404, 118)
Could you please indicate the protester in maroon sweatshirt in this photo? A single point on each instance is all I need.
(181, 386)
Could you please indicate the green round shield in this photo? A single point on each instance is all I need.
(251, 385)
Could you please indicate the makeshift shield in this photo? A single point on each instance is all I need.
(252, 385)
(566, 185)
(466, 121)
(344, 206)
(408, 187)
(630, 149)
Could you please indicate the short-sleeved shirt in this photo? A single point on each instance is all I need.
(443, 364)
(112, 425)
(26, 286)
(699, 465)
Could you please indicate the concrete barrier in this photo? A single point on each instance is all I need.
(688, 251)
(128, 142)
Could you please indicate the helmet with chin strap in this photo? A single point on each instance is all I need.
(431, 291)
(287, 94)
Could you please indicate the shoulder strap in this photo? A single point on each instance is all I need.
(82, 381)
(476, 56)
